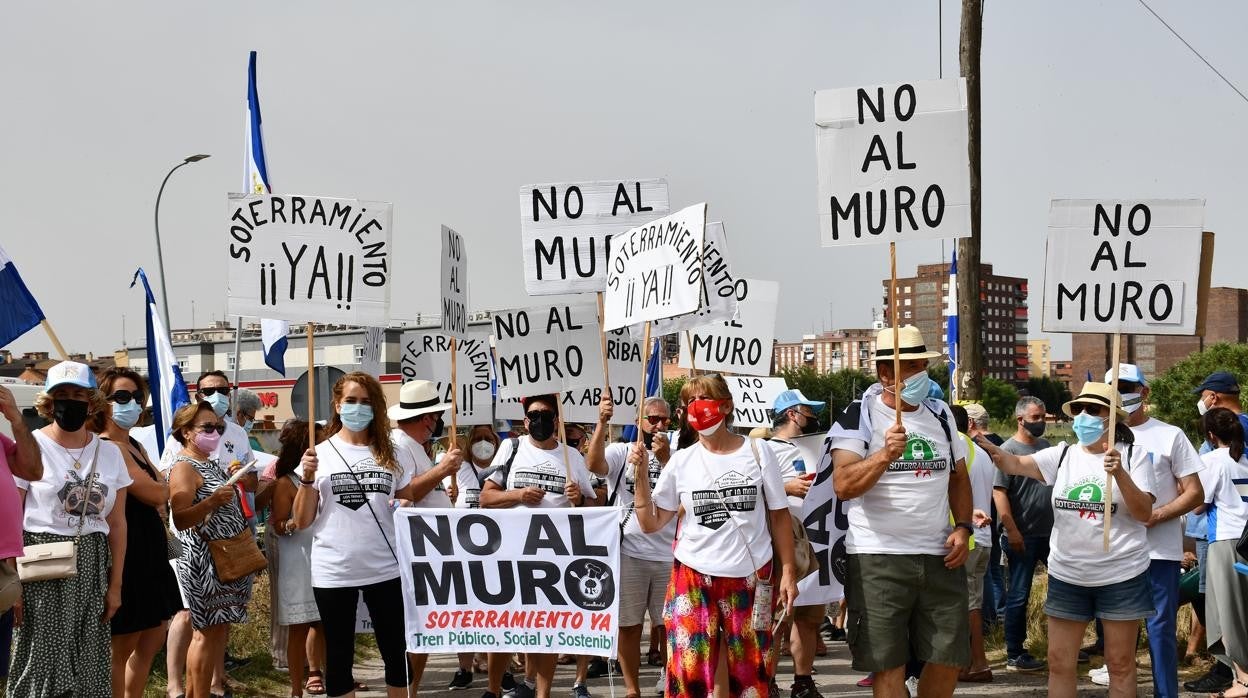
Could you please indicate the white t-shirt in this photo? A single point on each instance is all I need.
(1174, 457)
(714, 488)
(469, 481)
(437, 498)
(657, 546)
(54, 503)
(1076, 547)
(347, 547)
(907, 511)
(982, 472)
(235, 445)
(788, 457)
(1226, 488)
(535, 467)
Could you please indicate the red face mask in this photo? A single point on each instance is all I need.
(704, 415)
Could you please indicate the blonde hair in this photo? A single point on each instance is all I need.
(185, 417)
(96, 404)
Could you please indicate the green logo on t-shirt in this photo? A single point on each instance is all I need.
(1086, 497)
(919, 457)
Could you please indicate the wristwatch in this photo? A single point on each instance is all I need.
(969, 528)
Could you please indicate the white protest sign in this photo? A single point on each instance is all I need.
(893, 162)
(825, 525)
(752, 398)
(719, 289)
(655, 271)
(363, 621)
(624, 357)
(309, 258)
(512, 580)
(454, 284)
(547, 349)
(1123, 266)
(565, 229)
(427, 356)
(743, 345)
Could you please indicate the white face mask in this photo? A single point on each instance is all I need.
(483, 450)
(1201, 407)
(711, 429)
(1131, 402)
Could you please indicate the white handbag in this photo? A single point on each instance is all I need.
(57, 560)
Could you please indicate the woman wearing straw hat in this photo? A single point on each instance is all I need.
(1085, 580)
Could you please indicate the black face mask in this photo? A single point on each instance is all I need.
(542, 427)
(437, 428)
(1036, 429)
(811, 425)
(70, 415)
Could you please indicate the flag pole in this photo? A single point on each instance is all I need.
(56, 342)
(311, 392)
(892, 302)
(454, 399)
(645, 365)
(1113, 423)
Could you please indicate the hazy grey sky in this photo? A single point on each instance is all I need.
(446, 108)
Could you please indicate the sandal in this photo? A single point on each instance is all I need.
(654, 658)
(315, 683)
(1236, 682)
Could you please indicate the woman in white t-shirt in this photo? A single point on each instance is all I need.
(1086, 581)
(62, 645)
(346, 488)
(1225, 480)
(735, 511)
(482, 445)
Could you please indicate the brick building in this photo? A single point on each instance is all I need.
(921, 301)
(829, 351)
(1061, 372)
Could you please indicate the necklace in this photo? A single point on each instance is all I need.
(78, 458)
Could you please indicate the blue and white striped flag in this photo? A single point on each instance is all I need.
(256, 181)
(164, 378)
(19, 312)
(951, 334)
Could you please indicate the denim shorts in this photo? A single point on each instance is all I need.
(1128, 600)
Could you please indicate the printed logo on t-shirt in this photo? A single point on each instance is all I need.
(76, 493)
(472, 498)
(734, 491)
(372, 479)
(630, 476)
(545, 475)
(919, 457)
(1086, 498)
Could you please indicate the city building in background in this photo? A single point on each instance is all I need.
(1039, 360)
(829, 351)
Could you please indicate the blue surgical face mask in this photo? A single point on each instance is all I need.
(355, 416)
(220, 403)
(914, 389)
(248, 424)
(1088, 429)
(127, 415)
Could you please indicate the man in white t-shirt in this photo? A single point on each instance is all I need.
(906, 586)
(979, 466)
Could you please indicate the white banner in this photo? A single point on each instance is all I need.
(752, 398)
(547, 349)
(1123, 266)
(893, 162)
(825, 524)
(427, 356)
(510, 580)
(743, 345)
(719, 290)
(454, 284)
(655, 271)
(309, 259)
(565, 229)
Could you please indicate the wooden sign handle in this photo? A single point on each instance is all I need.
(892, 302)
(311, 390)
(454, 396)
(1113, 424)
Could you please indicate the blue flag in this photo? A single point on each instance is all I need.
(653, 387)
(951, 334)
(256, 181)
(18, 310)
(164, 378)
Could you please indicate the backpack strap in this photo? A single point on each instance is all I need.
(1062, 456)
(505, 468)
(944, 425)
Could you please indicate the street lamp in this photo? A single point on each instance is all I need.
(160, 261)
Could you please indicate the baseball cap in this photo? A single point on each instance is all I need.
(792, 398)
(975, 411)
(70, 373)
(1127, 372)
(1219, 382)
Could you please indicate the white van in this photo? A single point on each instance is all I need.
(25, 394)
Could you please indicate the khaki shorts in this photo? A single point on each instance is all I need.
(904, 603)
(643, 587)
(976, 567)
(810, 615)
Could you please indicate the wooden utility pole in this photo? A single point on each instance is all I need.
(970, 340)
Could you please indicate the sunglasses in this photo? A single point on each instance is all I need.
(123, 397)
(574, 443)
(539, 414)
(656, 419)
(206, 428)
(211, 391)
(1093, 410)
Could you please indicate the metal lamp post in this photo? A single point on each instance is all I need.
(160, 261)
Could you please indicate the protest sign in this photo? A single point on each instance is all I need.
(547, 349)
(752, 398)
(719, 289)
(363, 621)
(893, 162)
(1132, 267)
(655, 270)
(427, 356)
(825, 525)
(624, 360)
(309, 258)
(512, 580)
(743, 345)
(565, 229)
(454, 285)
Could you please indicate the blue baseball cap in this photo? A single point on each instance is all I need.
(70, 373)
(792, 398)
(1219, 382)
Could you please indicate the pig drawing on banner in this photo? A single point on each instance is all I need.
(893, 162)
(547, 349)
(752, 398)
(566, 229)
(743, 345)
(1132, 267)
(427, 356)
(719, 290)
(309, 258)
(826, 526)
(655, 271)
(454, 285)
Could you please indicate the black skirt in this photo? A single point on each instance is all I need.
(149, 589)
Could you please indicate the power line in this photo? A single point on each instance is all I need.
(1193, 50)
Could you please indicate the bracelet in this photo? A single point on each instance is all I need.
(962, 524)
(307, 482)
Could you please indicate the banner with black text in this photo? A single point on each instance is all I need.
(826, 526)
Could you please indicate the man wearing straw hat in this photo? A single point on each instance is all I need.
(902, 473)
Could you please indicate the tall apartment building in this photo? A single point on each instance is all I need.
(829, 351)
(921, 301)
(1039, 360)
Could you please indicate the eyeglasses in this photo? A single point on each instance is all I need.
(1092, 410)
(207, 428)
(123, 397)
(656, 419)
(210, 391)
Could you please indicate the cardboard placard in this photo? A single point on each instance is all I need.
(826, 525)
(719, 289)
(547, 349)
(565, 229)
(309, 258)
(752, 398)
(743, 345)
(454, 284)
(893, 162)
(1132, 267)
(427, 356)
(655, 271)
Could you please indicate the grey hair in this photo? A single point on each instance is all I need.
(1024, 402)
(246, 401)
(655, 400)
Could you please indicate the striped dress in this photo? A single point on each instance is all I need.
(211, 601)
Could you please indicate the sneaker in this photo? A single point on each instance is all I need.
(580, 690)
(838, 635)
(521, 690)
(912, 685)
(509, 681)
(597, 668)
(804, 689)
(1099, 676)
(1025, 663)
(1094, 648)
(461, 680)
(487, 694)
(826, 628)
(773, 689)
(661, 687)
(1213, 682)
(866, 682)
